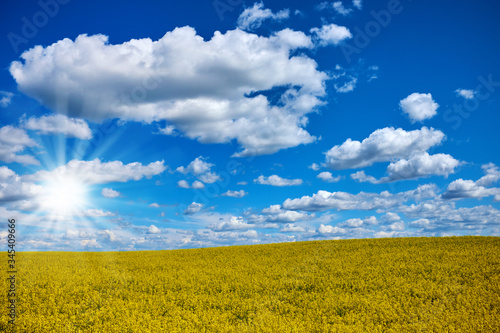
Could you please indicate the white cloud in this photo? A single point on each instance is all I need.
(324, 200)
(357, 3)
(386, 144)
(419, 165)
(5, 98)
(97, 172)
(204, 90)
(234, 194)
(465, 93)
(13, 141)
(60, 124)
(492, 175)
(200, 169)
(197, 167)
(252, 17)
(339, 8)
(242, 183)
(331, 34)
(419, 107)
(461, 189)
(331, 230)
(153, 230)
(275, 180)
(154, 205)
(12, 188)
(314, 167)
(109, 193)
(327, 177)
(358, 223)
(193, 208)
(234, 223)
(347, 86)
(196, 184)
(290, 227)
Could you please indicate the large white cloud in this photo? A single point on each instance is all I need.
(420, 165)
(419, 107)
(60, 124)
(97, 172)
(252, 17)
(383, 145)
(12, 142)
(212, 91)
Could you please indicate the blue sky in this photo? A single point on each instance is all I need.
(162, 125)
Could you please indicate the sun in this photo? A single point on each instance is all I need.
(65, 196)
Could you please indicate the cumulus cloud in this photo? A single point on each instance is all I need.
(328, 177)
(420, 165)
(60, 124)
(328, 230)
(330, 34)
(212, 91)
(193, 208)
(97, 172)
(275, 180)
(324, 200)
(383, 145)
(12, 142)
(461, 189)
(492, 175)
(419, 107)
(153, 230)
(201, 169)
(357, 3)
(154, 205)
(109, 193)
(5, 98)
(253, 17)
(465, 93)
(235, 194)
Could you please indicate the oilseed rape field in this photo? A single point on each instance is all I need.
(371, 285)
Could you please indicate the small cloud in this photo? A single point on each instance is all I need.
(339, 8)
(314, 166)
(110, 193)
(419, 107)
(193, 208)
(330, 34)
(275, 180)
(5, 98)
(242, 183)
(59, 124)
(252, 18)
(358, 4)
(153, 230)
(327, 177)
(465, 93)
(235, 194)
(154, 205)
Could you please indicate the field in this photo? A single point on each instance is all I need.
(373, 285)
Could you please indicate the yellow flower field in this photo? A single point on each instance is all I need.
(371, 285)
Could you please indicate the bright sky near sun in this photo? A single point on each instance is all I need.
(129, 125)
